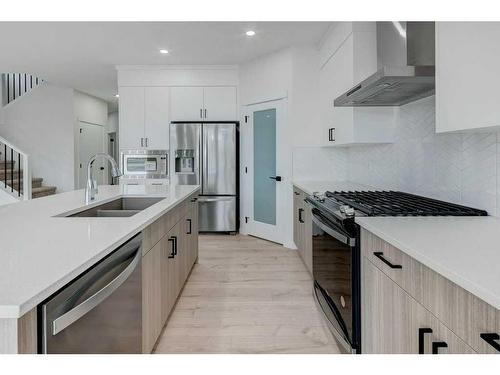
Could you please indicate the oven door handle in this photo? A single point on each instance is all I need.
(332, 232)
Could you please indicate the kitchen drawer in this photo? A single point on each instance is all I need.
(485, 320)
(409, 274)
(462, 312)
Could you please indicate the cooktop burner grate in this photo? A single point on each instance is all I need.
(396, 203)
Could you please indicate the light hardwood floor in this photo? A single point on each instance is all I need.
(246, 295)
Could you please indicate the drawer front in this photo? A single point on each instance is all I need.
(463, 313)
(485, 321)
(402, 269)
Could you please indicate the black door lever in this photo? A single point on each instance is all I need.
(277, 178)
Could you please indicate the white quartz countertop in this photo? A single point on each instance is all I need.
(321, 186)
(40, 253)
(465, 250)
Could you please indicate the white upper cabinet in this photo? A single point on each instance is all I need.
(216, 103)
(186, 103)
(157, 117)
(220, 104)
(131, 114)
(348, 56)
(144, 118)
(467, 79)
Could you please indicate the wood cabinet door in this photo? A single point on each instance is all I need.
(386, 314)
(307, 237)
(157, 117)
(186, 103)
(152, 291)
(131, 113)
(395, 323)
(195, 234)
(220, 104)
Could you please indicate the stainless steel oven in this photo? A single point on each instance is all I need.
(336, 258)
(145, 164)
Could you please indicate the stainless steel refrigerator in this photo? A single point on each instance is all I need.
(206, 154)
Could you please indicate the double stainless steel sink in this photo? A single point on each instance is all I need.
(121, 207)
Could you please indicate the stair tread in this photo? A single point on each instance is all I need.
(43, 188)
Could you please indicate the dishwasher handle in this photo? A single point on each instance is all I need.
(83, 308)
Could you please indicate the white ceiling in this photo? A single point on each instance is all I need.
(83, 55)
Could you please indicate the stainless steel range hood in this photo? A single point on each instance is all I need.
(405, 58)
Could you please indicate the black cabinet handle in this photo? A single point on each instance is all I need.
(421, 337)
(296, 193)
(331, 134)
(276, 178)
(172, 252)
(190, 228)
(490, 339)
(380, 255)
(438, 344)
(175, 244)
(194, 200)
(301, 220)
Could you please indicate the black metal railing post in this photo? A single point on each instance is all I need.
(19, 174)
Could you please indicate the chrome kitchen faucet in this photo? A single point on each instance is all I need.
(91, 187)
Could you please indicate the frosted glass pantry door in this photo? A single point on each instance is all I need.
(263, 182)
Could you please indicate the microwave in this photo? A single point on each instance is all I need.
(144, 164)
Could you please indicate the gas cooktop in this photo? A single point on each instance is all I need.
(391, 203)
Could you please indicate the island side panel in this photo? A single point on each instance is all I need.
(19, 335)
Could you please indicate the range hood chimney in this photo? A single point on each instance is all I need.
(405, 59)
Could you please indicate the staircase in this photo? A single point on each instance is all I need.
(9, 180)
(15, 174)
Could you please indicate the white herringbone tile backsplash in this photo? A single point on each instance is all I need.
(460, 168)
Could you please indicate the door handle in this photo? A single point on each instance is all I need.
(142, 142)
(421, 343)
(490, 339)
(380, 255)
(205, 113)
(146, 141)
(190, 228)
(172, 249)
(276, 178)
(201, 113)
(438, 344)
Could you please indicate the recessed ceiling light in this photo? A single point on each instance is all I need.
(164, 51)
(250, 33)
(117, 95)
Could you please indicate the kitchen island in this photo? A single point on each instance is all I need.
(42, 251)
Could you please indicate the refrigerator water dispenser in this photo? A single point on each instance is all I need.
(184, 161)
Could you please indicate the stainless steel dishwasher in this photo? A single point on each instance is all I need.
(101, 310)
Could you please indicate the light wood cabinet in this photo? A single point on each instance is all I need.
(166, 263)
(455, 316)
(395, 323)
(467, 80)
(302, 227)
(151, 296)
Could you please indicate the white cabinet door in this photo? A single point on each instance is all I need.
(186, 103)
(220, 104)
(467, 79)
(336, 77)
(131, 113)
(157, 117)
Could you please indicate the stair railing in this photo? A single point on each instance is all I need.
(14, 161)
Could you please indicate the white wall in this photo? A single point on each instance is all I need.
(41, 124)
(112, 124)
(89, 109)
(290, 74)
